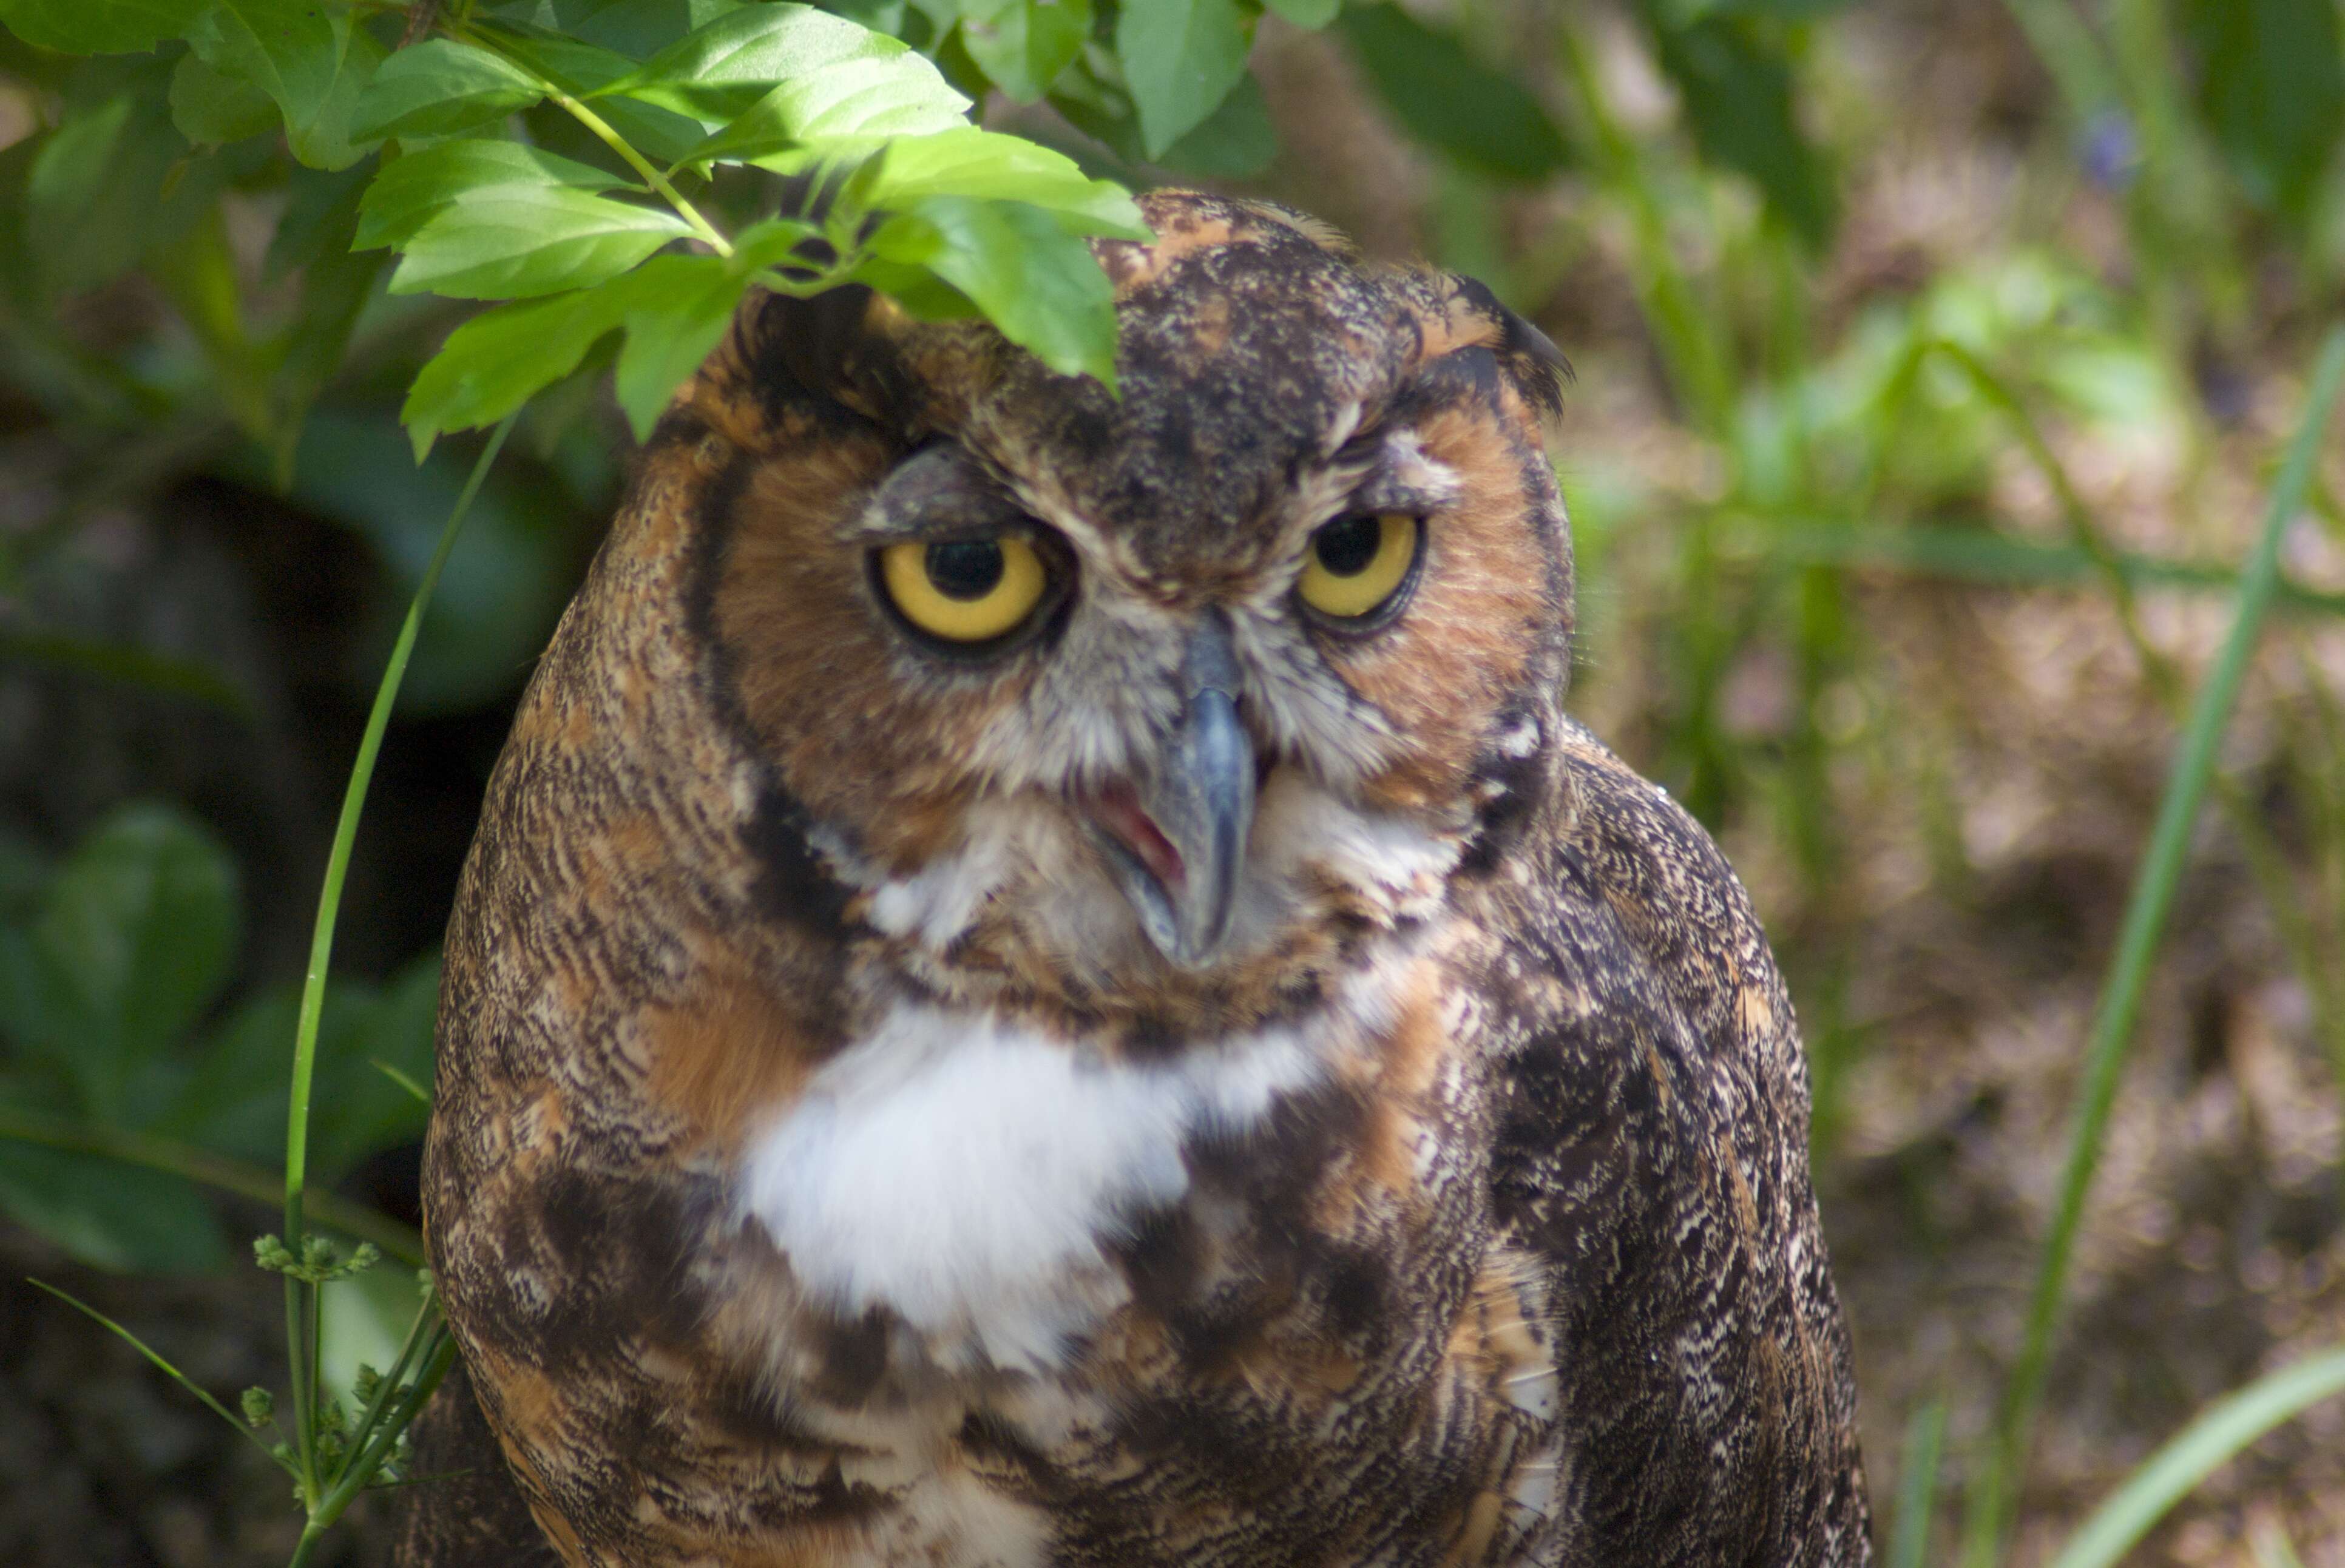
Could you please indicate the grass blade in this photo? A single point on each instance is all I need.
(1917, 1484)
(1989, 1513)
(300, 1314)
(2219, 1431)
(148, 1351)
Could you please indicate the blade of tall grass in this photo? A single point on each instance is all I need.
(300, 1297)
(1984, 556)
(1917, 1486)
(156, 1357)
(1988, 1515)
(2219, 1431)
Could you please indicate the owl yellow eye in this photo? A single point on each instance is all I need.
(964, 590)
(1358, 562)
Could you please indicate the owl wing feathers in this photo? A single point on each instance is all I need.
(1650, 1151)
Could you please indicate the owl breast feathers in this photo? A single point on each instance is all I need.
(1045, 980)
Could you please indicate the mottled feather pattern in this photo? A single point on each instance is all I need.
(828, 1166)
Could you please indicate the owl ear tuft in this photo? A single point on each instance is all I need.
(839, 347)
(1530, 356)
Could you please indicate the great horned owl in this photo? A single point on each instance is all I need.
(1045, 980)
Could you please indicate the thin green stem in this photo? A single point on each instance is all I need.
(199, 1164)
(2144, 921)
(652, 177)
(356, 1475)
(387, 1387)
(301, 1319)
(156, 1357)
(609, 137)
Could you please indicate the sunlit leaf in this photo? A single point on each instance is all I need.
(491, 365)
(440, 86)
(966, 161)
(413, 188)
(683, 304)
(1450, 100)
(531, 240)
(1034, 280)
(1181, 58)
(844, 72)
(315, 61)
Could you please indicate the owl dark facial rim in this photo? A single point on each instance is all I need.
(1047, 982)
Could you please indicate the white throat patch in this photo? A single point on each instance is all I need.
(965, 1174)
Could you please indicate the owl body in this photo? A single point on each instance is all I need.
(1206, 1063)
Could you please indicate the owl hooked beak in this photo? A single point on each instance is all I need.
(1177, 840)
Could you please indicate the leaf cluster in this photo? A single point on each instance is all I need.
(112, 965)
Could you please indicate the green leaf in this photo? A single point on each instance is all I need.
(495, 362)
(133, 943)
(114, 183)
(860, 103)
(1235, 140)
(570, 64)
(966, 161)
(313, 60)
(2221, 1431)
(1736, 91)
(98, 26)
(1181, 58)
(440, 85)
(530, 240)
(582, 69)
(683, 304)
(210, 107)
(2272, 86)
(1452, 102)
(1036, 282)
(109, 1215)
(417, 186)
(1311, 14)
(637, 29)
(845, 74)
(1021, 45)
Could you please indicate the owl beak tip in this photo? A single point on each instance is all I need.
(1178, 844)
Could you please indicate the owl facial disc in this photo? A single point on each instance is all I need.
(1176, 842)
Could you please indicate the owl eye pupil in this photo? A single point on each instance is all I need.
(1346, 546)
(964, 569)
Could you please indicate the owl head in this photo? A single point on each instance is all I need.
(1173, 692)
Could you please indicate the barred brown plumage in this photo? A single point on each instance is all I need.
(1192, 1079)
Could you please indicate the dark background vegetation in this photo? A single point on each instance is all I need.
(1933, 360)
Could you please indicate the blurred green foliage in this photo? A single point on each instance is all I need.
(112, 965)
